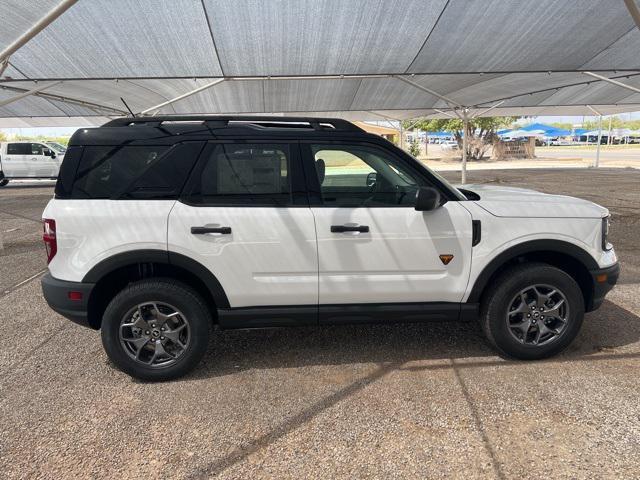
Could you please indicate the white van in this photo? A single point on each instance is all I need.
(25, 159)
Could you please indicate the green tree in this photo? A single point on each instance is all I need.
(482, 131)
(563, 126)
(3, 137)
(616, 122)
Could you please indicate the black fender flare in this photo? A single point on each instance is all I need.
(133, 257)
(531, 246)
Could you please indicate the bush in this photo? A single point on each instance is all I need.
(414, 147)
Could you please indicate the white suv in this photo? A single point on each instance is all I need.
(162, 227)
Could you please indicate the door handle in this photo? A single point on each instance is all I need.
(203, 230)
(349, 228)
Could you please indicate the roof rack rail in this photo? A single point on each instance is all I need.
(223, 120)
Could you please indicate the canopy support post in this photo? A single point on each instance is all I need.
(43, 23)
(597, 162)
(465, 136)
(599, 141)
(184, 95)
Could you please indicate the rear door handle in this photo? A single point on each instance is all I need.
(349, 228)
(203, 230)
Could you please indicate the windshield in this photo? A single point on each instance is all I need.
(57, 147)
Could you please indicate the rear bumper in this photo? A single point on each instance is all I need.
(603, 281)
(57, 294)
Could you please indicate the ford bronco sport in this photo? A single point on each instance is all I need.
(162, 227)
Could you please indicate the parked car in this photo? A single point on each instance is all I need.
(164, 227)
(28, 160)
(559, 142)
(449, 145)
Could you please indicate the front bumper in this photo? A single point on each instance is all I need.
(69, 299)
(603, 281)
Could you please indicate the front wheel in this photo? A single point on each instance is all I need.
(4, 181)
(156, 329)
(534, 312)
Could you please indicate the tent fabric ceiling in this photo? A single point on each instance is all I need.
(528, 55)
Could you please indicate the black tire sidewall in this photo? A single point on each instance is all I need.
(174, 293)
(507, 287)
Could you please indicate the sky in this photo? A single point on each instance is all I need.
(67, 131)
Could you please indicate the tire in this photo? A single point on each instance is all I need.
(507, 313)
(130, 341)
(4, 181)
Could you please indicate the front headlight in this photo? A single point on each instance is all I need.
(606, 222)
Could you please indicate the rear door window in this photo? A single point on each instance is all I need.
(243, 174)
(18, 149)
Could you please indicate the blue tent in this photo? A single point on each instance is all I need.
(549, 130)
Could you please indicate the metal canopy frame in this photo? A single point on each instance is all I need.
(450, 107)
(43, 23)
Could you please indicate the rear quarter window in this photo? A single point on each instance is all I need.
(126, 172)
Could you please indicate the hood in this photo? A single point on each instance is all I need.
(520, 202)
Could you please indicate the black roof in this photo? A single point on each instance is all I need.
(170, 129)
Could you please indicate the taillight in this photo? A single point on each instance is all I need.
(49, 237)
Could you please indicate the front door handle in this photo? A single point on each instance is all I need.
(349, 228)
(203, 230)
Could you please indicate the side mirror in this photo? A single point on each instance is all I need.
(53, 154)
(427, 199)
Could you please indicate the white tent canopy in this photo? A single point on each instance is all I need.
(358, 59)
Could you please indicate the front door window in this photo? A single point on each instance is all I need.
(363, 176)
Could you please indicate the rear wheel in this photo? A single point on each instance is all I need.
(4, 181)
(156, 329)
(534, 312)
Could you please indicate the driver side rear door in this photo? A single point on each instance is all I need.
(373, 246)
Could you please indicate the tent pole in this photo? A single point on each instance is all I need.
(488, 109)
(609, 134)
(428, 90)
(599, 141)
(465, 136)
(29, 92)
(612, 81)
(184, 95)
(634, 11)
(43, 23)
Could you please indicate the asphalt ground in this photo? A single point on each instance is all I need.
(384, 401)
